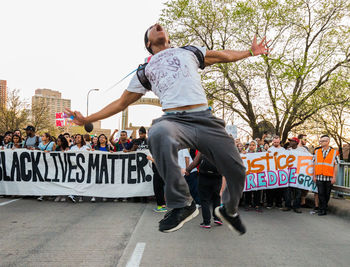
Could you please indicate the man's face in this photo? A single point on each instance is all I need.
(142, 135)
(324, 141)
(303, 141)
(157, 35)
(28, 132)
(7, 138)
(293, 144)
(276, 142)
(123, 136)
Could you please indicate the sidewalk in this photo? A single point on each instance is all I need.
(336, 206)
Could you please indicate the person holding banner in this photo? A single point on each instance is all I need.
(326, 161)
(46, 145)
(292, 192)
(17, 141)
(257, 194)
(172, 74)
(277, 193)
(80, 144)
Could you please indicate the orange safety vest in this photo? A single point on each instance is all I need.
(325, 166)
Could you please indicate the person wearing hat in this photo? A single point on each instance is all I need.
(32, 141)
(172, 74)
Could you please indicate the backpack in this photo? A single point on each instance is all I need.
(141, 75)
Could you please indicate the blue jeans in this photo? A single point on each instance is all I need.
(192, 181)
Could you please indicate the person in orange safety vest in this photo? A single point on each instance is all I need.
(326, 160)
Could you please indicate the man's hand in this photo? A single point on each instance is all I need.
(333, 180)
(225, 56)
(78, 119)
(261, 48)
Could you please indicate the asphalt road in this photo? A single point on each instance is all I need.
(117, 234)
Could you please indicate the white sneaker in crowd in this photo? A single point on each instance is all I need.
(93, 199)
(71, 198)
(41, 198)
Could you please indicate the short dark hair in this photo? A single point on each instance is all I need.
(142, 130)
(301, 136)
(8, 132)
(67, 134)
(149, 49)
(124, 132)
(325, 135)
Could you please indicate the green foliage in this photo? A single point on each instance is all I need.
(310, 41)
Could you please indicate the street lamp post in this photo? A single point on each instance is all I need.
(87, 100)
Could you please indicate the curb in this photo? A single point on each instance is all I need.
(337, 206)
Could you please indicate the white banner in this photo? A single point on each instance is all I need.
(99, 174)
(266, 170)
(103, 174)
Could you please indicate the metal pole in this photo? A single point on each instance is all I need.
(87, 100)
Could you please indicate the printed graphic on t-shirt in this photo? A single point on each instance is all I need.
(165, 69)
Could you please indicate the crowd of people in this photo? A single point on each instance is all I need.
(204, 181)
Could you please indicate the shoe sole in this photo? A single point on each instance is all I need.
(160, 211)
(223, 219)
(190, 217)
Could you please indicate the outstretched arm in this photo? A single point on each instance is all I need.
(225, 56)
(116, 106)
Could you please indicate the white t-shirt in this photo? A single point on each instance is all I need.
(173, 74)
(273, 149)
(182, 154)
(82, 148)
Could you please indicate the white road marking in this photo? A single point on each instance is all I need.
(8, 202)
(136, 255)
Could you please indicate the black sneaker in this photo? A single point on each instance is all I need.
(232, 222)
(176, 218)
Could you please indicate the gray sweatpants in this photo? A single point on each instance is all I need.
(202, 131)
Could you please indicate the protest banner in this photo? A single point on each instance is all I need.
(99, 174)
(266, 170)
(102, 174)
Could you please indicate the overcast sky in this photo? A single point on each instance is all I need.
(73, 46)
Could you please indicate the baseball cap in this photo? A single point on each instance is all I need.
(29, 128)
(294, 139)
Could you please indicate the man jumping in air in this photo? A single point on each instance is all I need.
(172, 74)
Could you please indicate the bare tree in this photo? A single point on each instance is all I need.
(14, 114)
